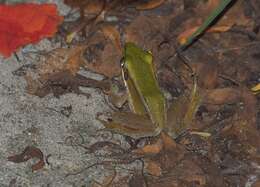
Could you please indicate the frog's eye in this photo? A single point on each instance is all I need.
(122, 62)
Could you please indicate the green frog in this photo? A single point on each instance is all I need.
(149, 114)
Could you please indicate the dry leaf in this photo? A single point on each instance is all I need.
(150, 5)
(94, 7)
(143, 30)
(168, 142)
(207, 75)
(106, 182)
(234, 16)
(150, 149)
(89, 7)
(61, 59)
(63, 82)
(112, 33)
(75, 60)
(220, 96)
(148, 32)
(137, 180)
(29, 153)
(153, 168)
(49, 75)
(102, 56)
(182, 38)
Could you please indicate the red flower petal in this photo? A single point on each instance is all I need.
(26, 23)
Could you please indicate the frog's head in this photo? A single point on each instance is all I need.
(135, 54)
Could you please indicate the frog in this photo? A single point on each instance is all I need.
(149, 115)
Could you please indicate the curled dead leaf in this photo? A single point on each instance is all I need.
(151, 4)
(29, 153)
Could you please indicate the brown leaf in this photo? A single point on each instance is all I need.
(190, 171)
(63, 82)
(112, 33)
(220, 96)
(102, 56)
(58, 75)
(143, 29)
(153, 168)
(151, 4)
(184, 175)
(168, 142)
(234, 16)
(106, 182)
(161, 160)
(249, 111)
(75, 60)
(28, 153)
(256, 183)
(137, 180)
(182, 38)
(150, 149)
(244, 123)
(207, 75)
(94, 7)
(61, 59)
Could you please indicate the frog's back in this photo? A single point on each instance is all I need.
(140, 63)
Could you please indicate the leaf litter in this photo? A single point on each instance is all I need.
(225, 60)
(29, 153)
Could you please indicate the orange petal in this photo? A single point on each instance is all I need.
(22, 24)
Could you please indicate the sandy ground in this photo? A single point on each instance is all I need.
(29, 120)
